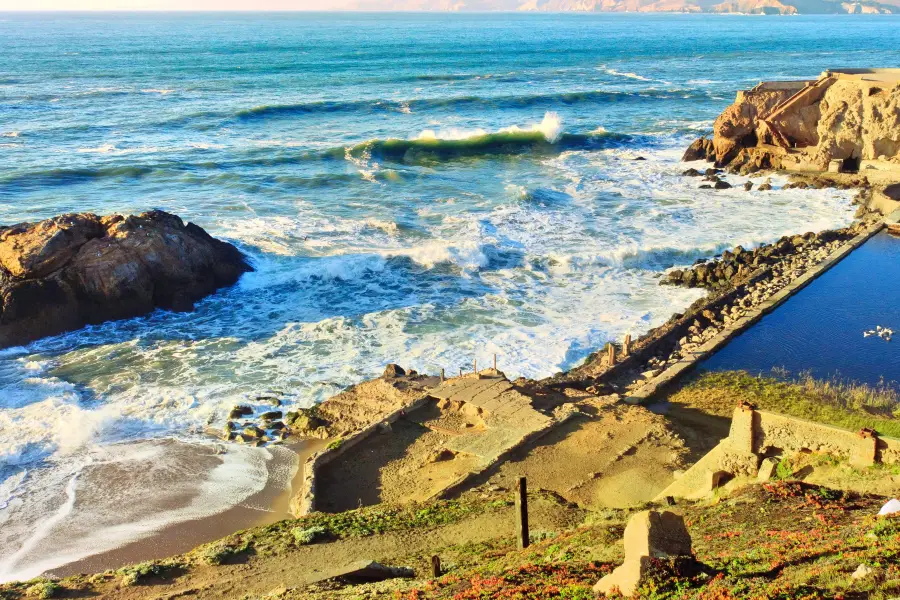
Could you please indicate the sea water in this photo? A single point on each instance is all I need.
(425, 189)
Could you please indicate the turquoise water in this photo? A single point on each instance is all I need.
(424, 189)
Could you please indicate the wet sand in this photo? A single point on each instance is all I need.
(181, 537)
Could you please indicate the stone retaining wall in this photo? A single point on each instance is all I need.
(303, 500)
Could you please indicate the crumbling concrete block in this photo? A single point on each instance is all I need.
(649, 536)
(767, 469)
(864, 451)
(741, 434)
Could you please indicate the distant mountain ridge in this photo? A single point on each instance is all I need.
(766, 7)
(759, 7)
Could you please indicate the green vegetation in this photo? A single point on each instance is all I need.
(220, 553)
(308, 535)
(282, 537)
(134, 574)
(784, 469)
(42, 588)
(785, 540)
(833, 402)
(335, 444)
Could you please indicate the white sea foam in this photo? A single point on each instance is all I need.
(122, 493)
(102, 149)
(551, 127)
(627, 75)
(10, 134)
(540, 276)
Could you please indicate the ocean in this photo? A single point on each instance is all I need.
(424, 189)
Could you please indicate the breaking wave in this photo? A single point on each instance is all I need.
(546, 137)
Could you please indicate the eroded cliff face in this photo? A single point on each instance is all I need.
(736, 127)
(806, 128)
(73, 270)
(859, 123)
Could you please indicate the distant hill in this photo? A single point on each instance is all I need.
(766, 7)
(772, 7)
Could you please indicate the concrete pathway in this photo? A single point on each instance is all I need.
(508, 415)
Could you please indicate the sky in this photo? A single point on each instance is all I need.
(11, 5)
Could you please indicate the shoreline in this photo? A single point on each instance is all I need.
(180, 537)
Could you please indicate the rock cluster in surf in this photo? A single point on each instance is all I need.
(738, 264)
(79, 269)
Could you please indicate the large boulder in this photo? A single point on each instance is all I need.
(656, 544)
(78, 269)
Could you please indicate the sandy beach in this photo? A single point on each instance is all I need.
(269, 505)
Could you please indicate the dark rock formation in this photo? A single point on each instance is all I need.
(391, 371)
(700, 149)
(78, 269)
(737, 265)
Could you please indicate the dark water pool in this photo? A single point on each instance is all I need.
(820, 329)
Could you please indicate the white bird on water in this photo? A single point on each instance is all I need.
(884, 333)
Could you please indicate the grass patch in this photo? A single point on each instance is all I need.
(135, 574)
(285, 536)
(785, 540)
(220, 553)
(847, 405)
(43, 588)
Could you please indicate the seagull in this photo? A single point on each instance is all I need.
(884, 333)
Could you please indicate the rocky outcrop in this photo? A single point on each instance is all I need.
(848, 116)
(736, 266)
(79, 269)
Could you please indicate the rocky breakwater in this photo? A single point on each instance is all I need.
(74, 270)
(770, 261)
(851, 117)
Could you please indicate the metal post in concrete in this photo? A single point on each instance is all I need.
(522, 514)
(626, 347)
(442, 376)
(460, 371)
(495, 361)
(475, 366)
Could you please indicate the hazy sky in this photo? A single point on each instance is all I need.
(176, 4)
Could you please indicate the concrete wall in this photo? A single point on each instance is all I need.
(757, 434)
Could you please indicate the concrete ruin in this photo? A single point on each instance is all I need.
(847, 120)
(758, 437)
(655, 543)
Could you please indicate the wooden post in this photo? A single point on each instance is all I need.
(460, 371)
(495, 361)
(626, 347)
(522, 514)
(475, 366)
(442, 376)
(435, 566)
(611, 350)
